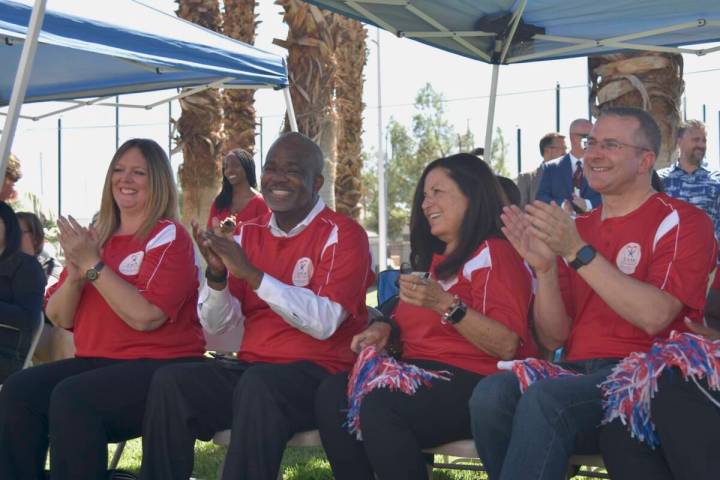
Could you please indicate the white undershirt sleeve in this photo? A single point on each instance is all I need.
(317, 316)
(218, 310)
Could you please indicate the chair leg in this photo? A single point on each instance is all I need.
(117, 455)
(221, 467)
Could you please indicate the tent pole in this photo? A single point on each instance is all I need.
(59, 159)
(491, 113)
(382, 190)
(290, 109)
(117, 122)
(22, 77)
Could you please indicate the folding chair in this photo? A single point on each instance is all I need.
(34, 339)
(37, 332)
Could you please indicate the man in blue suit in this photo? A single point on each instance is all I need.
(563, 180)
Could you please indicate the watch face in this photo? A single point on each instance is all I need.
(91, 275)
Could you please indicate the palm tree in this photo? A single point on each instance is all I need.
(649, 80)
(240, 23)
(310, 42)
(351, 56)
(200, 127)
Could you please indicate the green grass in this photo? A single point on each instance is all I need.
(298, 463)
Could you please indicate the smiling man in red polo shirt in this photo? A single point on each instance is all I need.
(628, 272)
(294, 280)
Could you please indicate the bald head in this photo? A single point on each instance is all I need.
(291, 178)
(579, 129)
(300, 147)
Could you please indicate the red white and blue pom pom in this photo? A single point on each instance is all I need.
(530, 370)
(628, 390)
(379, 370)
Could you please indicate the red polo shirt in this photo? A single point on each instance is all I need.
(494, 282)
(666, 243)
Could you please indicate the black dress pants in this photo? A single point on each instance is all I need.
(688, 425)
(395, 426)
(79, 405)
(264, 405)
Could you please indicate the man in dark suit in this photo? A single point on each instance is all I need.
(563, 180)
(552, 145)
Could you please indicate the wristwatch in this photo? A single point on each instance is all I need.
(455, 312)
(583, 256)
(93, 273)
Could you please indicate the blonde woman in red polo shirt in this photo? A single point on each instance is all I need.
(470, 313)
(128, 292)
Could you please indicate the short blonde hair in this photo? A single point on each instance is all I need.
(162, 195)
(13, 171)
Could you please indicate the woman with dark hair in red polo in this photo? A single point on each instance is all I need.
(238, 197)
(129, 293)
(470, 312)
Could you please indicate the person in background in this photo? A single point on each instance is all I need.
(552, 145)
(238, 196)
(32, 242)
(688, 180)
(12, 175)
(129, 293)
(563, 180)
(55, 343)
(511, 191)
(22, 284)
(469, 313)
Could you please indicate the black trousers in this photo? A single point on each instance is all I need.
(688, 424)
(395, 427)
(78, 405)
(264, 404)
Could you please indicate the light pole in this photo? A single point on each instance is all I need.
(382, 196)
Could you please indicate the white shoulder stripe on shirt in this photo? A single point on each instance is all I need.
(671, 221)
(331, 240)
(165, 236)
(481, 260)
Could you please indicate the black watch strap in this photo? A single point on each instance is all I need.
(215, 278)
(583, 256)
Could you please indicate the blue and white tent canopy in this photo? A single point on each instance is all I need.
(88, 49)
(541, 29)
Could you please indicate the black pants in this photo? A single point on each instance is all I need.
(395, 427)
(264, 404)
(688, 424)
(78, 405)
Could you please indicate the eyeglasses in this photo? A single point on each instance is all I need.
(608, 145)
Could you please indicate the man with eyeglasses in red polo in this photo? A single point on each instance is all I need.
(563, 180)
(609, 283)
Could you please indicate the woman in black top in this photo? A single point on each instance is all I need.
(22, 286)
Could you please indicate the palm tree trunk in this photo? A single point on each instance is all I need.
(200, 128)
(351, 56)
(311, 41)
(649, 80)
(240, 23)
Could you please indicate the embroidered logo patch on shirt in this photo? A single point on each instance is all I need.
(628, 258)
(131, 264)
(302, 273)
